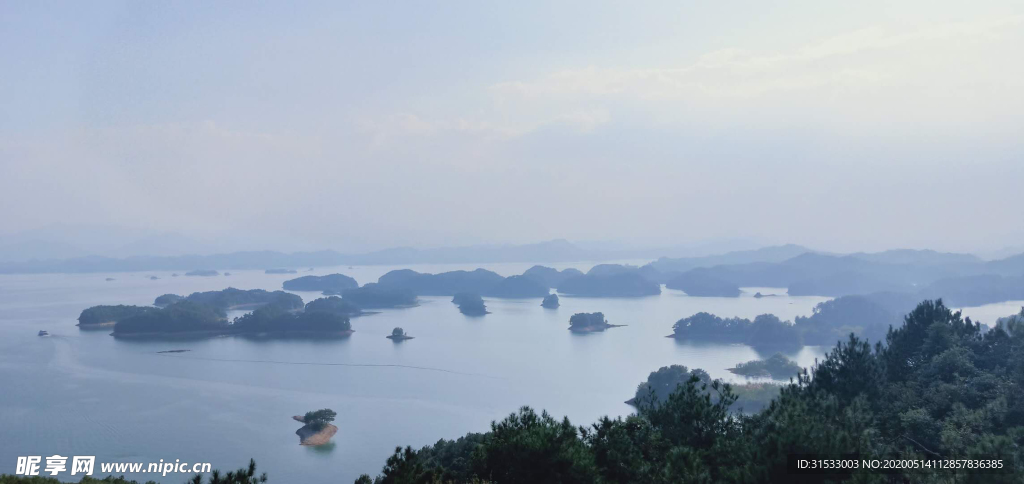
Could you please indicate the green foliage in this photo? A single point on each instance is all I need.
(317, 419)
(274, 319)
(182, 316)
(939, 387)
(550, 301)
(333, 304)
(470, 303)
(107, 314)
(777, 367)
(231, 297)
(587, 322)
(167, 300)
(765, 333)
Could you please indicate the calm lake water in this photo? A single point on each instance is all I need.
(229, 399)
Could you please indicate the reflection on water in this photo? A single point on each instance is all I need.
(228, 399)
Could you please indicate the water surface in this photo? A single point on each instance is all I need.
(229, 399)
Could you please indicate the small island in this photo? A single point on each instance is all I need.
(318, 428)
(589, 323)
(202, 273)
(777, 367)
(470, 304)
(550, 301)
(765, 333)
(280, 271)
(398, 335)
(153, 278)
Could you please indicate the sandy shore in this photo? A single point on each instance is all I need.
(308, 437)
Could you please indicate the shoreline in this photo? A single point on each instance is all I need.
(217, 334)
(310, 438)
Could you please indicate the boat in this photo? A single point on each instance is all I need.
(43, 333)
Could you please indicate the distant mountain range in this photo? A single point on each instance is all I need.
(543, 252)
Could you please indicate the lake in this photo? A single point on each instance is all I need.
(229, 399)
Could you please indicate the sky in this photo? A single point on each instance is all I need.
(355, 126)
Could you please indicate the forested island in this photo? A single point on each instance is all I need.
(331, 284)
(99, 316)
(195, 319)
(470, 304)
(232, 298)
(204, 314)
(333, 304)
(550, 277)
(936, 387)
(398, 335)
(765, 332)
(589, 323)
(776, 367)
(550, 301)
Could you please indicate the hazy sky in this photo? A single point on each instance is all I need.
(839, 125)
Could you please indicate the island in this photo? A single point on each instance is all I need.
(109, 279)
(231, 298)
(202, 273)
(374, 296)
(333, 304)
(166, 300)
(318, 428)
(589, 323)
(700, 283)
(751, 397)
(398, 335)
(470, 304)
(777, 367)
(153, 278)
(331, 284)
(628, 284)
(765, 333)
(101, 316)
(550, 301)
(550, 277)
(280, 271)
(443, 284)
(272, 320)
(193, 319)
